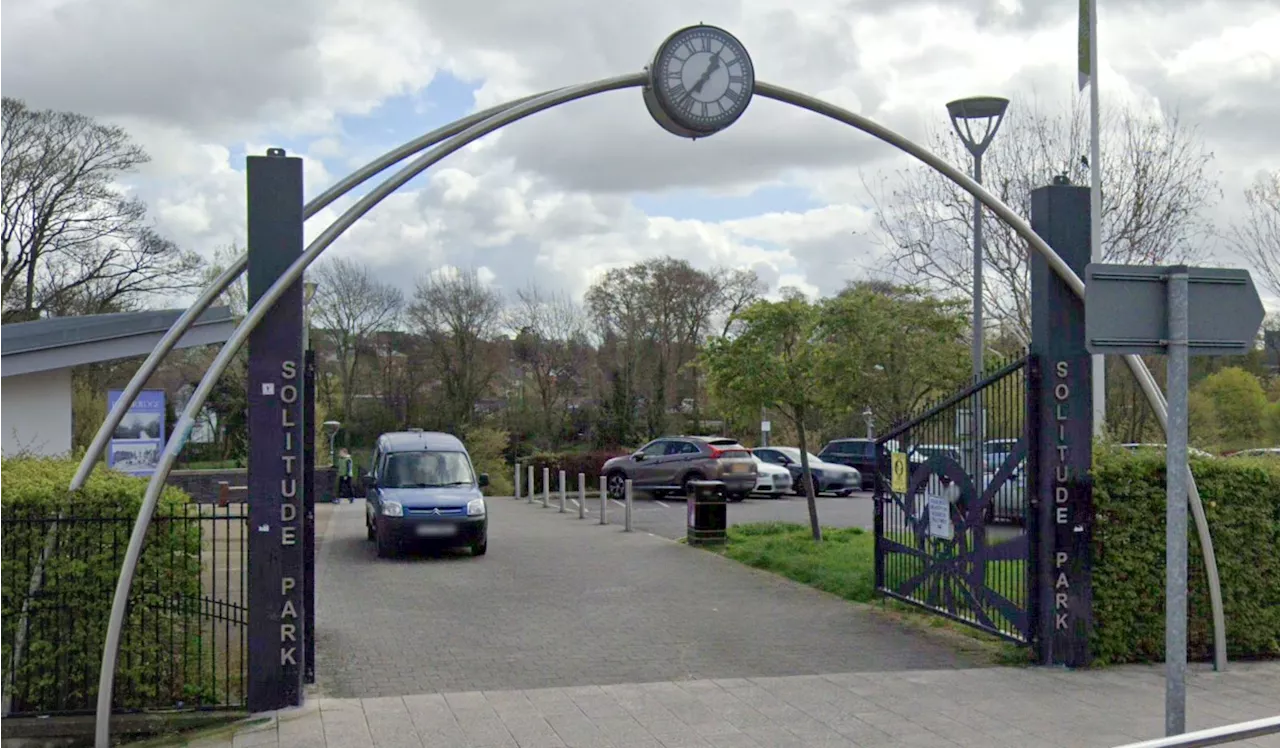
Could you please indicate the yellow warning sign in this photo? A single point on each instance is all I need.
(899, 483)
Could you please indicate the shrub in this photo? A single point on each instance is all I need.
(572, 463)
(67, 619)
(487, 446)
(1242, 504)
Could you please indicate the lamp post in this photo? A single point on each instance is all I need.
(967, 115)
(869, 417)
(332, 427)
(308, 293)
(976, 121)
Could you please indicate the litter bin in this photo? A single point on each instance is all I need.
(708, 515)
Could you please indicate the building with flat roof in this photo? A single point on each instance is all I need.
(36, 360)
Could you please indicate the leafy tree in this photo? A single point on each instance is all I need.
(1239, 402)
(892, 349)
(774, 361)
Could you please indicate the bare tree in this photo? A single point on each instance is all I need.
(350, 306)
(739, 289)
(73, 241)
(1156, 187)
(236, 295)
(457, 315)
(550, 335)
(1258, 237)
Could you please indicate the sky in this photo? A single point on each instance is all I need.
(559, 198)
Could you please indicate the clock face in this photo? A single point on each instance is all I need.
(703, 79)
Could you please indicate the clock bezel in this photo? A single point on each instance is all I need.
(663, 110)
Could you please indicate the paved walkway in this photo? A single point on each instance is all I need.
(560, 601)
(976, 708)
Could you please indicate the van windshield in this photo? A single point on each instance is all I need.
(427, 470)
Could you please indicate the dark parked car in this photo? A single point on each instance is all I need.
(423, 486)
(859, 454)
(828, 477)
(668, 465)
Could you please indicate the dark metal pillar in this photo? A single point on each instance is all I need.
(276, 524)
(1064, 431)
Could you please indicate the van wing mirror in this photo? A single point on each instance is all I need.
(483, 480)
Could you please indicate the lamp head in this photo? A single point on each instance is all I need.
(977, 107)
(308, 291)
(332, 425)
(976, 111)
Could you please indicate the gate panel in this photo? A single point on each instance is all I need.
(953, 535)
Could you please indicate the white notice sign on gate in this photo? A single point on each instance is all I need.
(940, 517)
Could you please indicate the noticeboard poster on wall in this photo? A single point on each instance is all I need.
(137, 441)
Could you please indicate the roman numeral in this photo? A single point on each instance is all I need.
(677, 92)
(733, 96)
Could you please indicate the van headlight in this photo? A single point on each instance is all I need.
(392, 509)
(475, 508)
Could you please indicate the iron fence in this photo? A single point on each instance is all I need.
(184, 639)
(951, 526)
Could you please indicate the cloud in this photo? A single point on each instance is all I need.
(553, 199)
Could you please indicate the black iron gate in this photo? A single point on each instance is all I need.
(183, 645)
(952, 516)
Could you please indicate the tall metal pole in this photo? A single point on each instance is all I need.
(976, 350)
(1175, 611)
(1095, 212)
(764, 433)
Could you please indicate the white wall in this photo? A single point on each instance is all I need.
(36, 415)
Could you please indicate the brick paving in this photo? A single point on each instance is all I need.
(975, 708)
(561, 602)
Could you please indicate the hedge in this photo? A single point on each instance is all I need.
(1242, 505)
(589, 463)
(67, 618)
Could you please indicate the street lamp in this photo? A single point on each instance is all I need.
(869, 417)
(967, 116)
(308, 293)
(332, 427)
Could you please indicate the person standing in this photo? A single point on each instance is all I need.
(346, 474)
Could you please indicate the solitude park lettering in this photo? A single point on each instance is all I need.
(1061, 471)
(290, 512)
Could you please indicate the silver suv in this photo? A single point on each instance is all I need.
(669, 464)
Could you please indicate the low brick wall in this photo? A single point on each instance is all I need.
(203, 485)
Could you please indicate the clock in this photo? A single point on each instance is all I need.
(700, 82)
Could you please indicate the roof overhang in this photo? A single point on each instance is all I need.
(123, 341)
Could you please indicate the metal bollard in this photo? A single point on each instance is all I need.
(604, 500)
(582, 495)
(517, 480)
(529, 488)
(627, 524)
(546, 487)
(562, 489)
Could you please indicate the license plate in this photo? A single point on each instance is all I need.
(435, 531)
(739, 468)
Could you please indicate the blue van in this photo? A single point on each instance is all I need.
(423, 486)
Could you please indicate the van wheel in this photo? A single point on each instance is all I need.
(479, 549)
(386, 545)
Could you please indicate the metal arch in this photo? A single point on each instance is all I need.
(182, 429)
(237, 268)
(516, 112)
(1136, 365)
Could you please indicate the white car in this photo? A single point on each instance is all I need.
(771, 480)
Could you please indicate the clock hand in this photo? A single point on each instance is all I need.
(706, 74)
